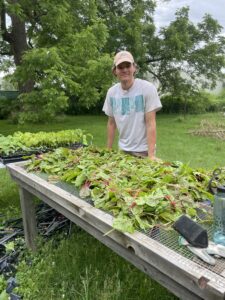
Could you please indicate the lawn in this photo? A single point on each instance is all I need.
(173, 141)
(80, 267)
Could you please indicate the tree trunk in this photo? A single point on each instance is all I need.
(19, 46)
(19, 43)
(17, 40)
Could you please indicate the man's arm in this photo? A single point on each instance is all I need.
(111, 130)
(150, 121)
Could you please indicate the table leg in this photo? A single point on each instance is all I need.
(29, 218)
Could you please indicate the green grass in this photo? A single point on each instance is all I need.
(173, 140)
(80, 267)
(9, 196)
(175, 143)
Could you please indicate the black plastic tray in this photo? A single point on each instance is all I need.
(7, 160)
(25, 156)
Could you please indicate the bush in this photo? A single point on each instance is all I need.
(8, 103)
(8, 107)
(76, 108)
(221, 100)
(199, 103)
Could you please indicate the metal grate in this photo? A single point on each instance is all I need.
(168, 238)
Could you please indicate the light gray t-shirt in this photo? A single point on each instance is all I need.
(128, 107)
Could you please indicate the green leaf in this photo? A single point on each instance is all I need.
(142, 222)
(123, 223)
(71, 174)
(10, 246)
(4, 296)
(85, 191)
(168, 217)
(80, 179)
(191, 212)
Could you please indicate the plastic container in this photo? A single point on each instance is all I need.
(219, 216)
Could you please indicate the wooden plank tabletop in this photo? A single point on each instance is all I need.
(182, 276)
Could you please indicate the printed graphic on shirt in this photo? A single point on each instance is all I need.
(127, 105)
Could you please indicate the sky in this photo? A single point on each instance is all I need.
(165, 12)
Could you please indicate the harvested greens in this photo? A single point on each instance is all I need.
(26, 142)
(139, 193)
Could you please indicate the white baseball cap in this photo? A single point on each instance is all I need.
(123, 56)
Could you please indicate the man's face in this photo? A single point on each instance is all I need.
(125, 71)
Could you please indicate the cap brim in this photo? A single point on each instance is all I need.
(120, 61)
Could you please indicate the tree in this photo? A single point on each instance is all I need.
(16, 37)
(182, 53)
(189, 54)
(130, 25)
(70, 44)
(64, 58)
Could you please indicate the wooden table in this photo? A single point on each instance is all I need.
(183, 277)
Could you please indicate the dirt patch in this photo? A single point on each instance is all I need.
(210, 129)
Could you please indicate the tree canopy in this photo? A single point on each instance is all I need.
(65, 48)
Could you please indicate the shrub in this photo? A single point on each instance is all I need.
(8, 107)
(199, 103)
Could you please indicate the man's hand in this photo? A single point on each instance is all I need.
(155, 158)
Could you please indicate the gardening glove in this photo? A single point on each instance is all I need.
(216, 249)
(202, 253)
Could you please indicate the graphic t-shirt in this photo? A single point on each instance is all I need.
(128, 107)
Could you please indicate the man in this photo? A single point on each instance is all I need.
(131, 106)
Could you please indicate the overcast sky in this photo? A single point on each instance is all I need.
(165, 12)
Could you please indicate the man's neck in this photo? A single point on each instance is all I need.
(126, 85)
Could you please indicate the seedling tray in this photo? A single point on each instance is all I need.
(6, 160)
(16, 157)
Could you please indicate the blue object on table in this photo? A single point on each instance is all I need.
(219, 216)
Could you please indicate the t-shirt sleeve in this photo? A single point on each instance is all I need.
(107, 107)
(152, 101)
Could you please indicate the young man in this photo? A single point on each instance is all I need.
(131, 106)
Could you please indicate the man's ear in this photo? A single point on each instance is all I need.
(136, 69)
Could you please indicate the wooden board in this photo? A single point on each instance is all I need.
(183, 277)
